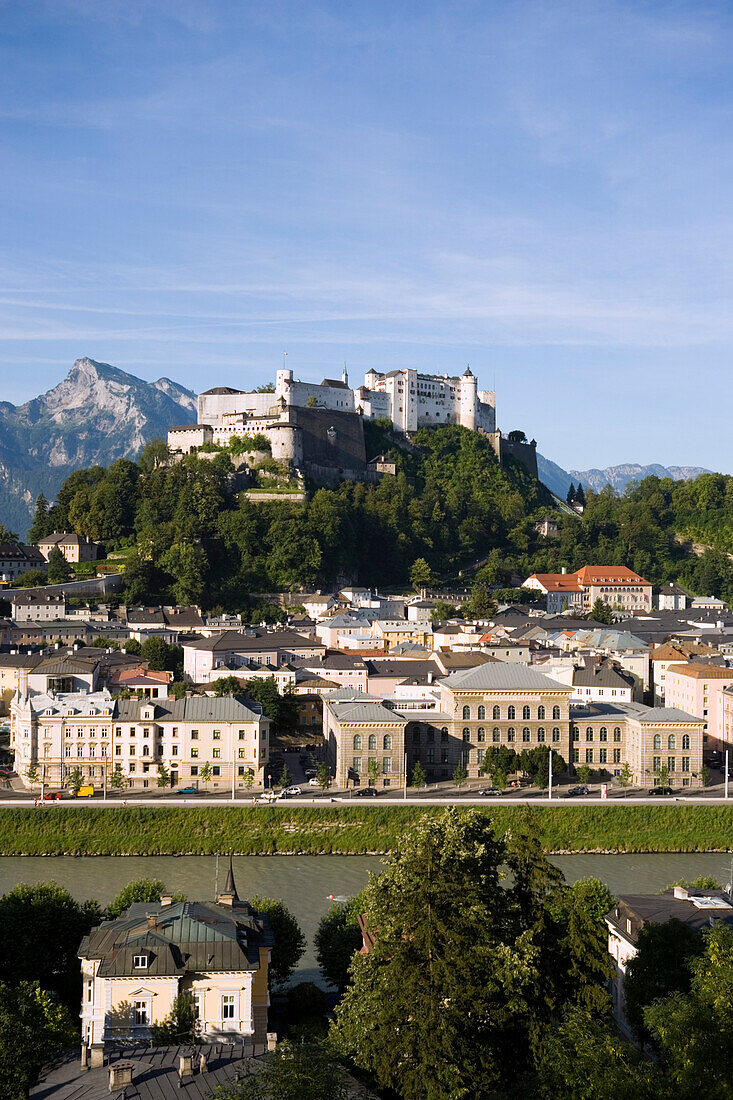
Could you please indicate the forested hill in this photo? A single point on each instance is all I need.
(449, 503)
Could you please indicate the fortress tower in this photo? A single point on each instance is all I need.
(468, 401)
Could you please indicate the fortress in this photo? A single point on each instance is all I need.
(319, 427)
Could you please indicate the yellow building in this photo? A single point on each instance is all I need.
(134, 967)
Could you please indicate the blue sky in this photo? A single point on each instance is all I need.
(542, 190)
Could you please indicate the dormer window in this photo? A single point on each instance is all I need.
(140, 962)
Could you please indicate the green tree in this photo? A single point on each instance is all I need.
(625, 776)
(187, 564)
(323, 776)
(226, 685)
(580, 495)
(588, 968)
(311, 403)
(59, 570)
(373, 771)
(282, 710)
(164, 776)
(661, 966)
(32, 774)
(6, 535)
(289, 939)
(419, 778)
(117, 778)
(302, 1071)
(33, 1028)
(162, 657)
(338, 937)
(139, 578)
(584, 772)
(286, 778)
(206, 774)
(705, 776)
(154, 453)
(42, 524)
(570, 498)
(601, 613)
(180, 1027)
(661, 776)
(249, 778)
(140, 889)
(421, 575)
(75, 780)
(460, 775)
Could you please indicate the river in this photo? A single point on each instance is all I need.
(304, 882)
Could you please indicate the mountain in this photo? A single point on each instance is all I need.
(620, 476)
(97, 414)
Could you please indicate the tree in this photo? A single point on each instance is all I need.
(75, 780)
(601, 613)
(421, 575)
(140, 889)
(302, 1071)
(661, 776)
(164, 776)
(498, 763)
(589, 967)
(419, 778)
(59, 570)
(42, 524)
(47, 915)
(226, 685)
(584, 772)
(162, 657)
(249, 778)
(181, 1026)
(439, 1005)
(282, 710)
(660, 967)
(625, 776)
(117, 778)
(570, 498)
(517, 436)
(580, 495)
(337, 939)
(705, 776)
(206, 774)
(373, 771)
(286, 778)
(33, 1028)
(187, 563)
(460, 775)
(32, 774)
(323, 776)
(289, 939)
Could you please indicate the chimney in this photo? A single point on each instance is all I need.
(271, 1041)
(84, 1056)
(96, 1052)
(152, 920)
(166, 899)
(680, 892)
(120, 1076)
(185, 1067)
(203, 1063)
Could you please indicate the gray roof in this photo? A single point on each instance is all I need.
(602, 675)
(364, 712)
(639, 711)
(669, 714)
(254, 639)
(658, 908)
(37, 596)
(199, 708)
(498, 676)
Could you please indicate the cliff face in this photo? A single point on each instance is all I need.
(95, 415)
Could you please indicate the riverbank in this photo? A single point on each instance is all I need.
(340, 830)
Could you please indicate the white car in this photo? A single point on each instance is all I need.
(267, 796)
(292, 792)
(314, 782)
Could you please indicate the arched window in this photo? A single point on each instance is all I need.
(466, 733)
(372, 740)
(510, 733)
(497, 713)
(525, 713)
(589, 733)
(146, 750)
(481, 714)
(657, 741)
(443, 733)
(555, 712)
(540, 734)
(541, 713)
(511, 714)
(685, 740)
(555, 734)
(671, 741)
(466, 713)
(525, 733)
(387, 741)
(603, 734)
(496, 734)
(481, 736)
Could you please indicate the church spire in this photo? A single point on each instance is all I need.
(228, 895)
(344, 375)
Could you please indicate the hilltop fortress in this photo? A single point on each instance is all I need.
(319, 428)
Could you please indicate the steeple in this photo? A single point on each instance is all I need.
(344, 375)
(228, 895)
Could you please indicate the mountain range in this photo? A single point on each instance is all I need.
(96, 415)
(99, 413)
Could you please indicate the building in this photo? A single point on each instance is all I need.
(660, 658)
(698, 909)
(58, 733)
(412, 400)
(17, 558)
(134, 967)
(614, 585)
(35, 606)
(672, 597)
(697, 687)
(231, 648)
(75, 548)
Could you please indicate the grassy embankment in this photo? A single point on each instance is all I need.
(340, 830)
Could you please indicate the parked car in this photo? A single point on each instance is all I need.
(660, 790)
(268, 796)
(310, 773)
(573, 792)
(187, 790)
(84, 792)
(314, 781)
(52, 796)
(366, 792)
(292, 792)
(490, 792)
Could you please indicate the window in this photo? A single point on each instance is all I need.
(443, 733)
(386, 765)
(227, 1006)
(387, 741)
(576, 756)
(216, 754)
(603, 756)
(194, 735)
(356, 765)
(431, 756)
(216, 770)
(575, 734)
(525, 713)
(525, 733)
(496, 734)
(685, 740)
(671, 741)
(466, 733)
(481, 714)
(685, 763)
(510, 733)
(139, 1013)
(603, 734)
(541, 714)
(242, 753)
(194, 754)
(118, 750)
(67, 750)
(589, 756)
(241, 734)
(656, 763)
(496, 713)
(481, 735)
(540, 734)
(511, 713)
(617, 733)
(617, 756)
(555, 734)
(372, 741)
(671, 763)
(657, 741)
(357, 740)
(216, 735)
(589, 733)
(79, 750)
(556, 712)
(140, 962)
(481, 753)
(146, 750)
(174, 731)
(466, 713)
